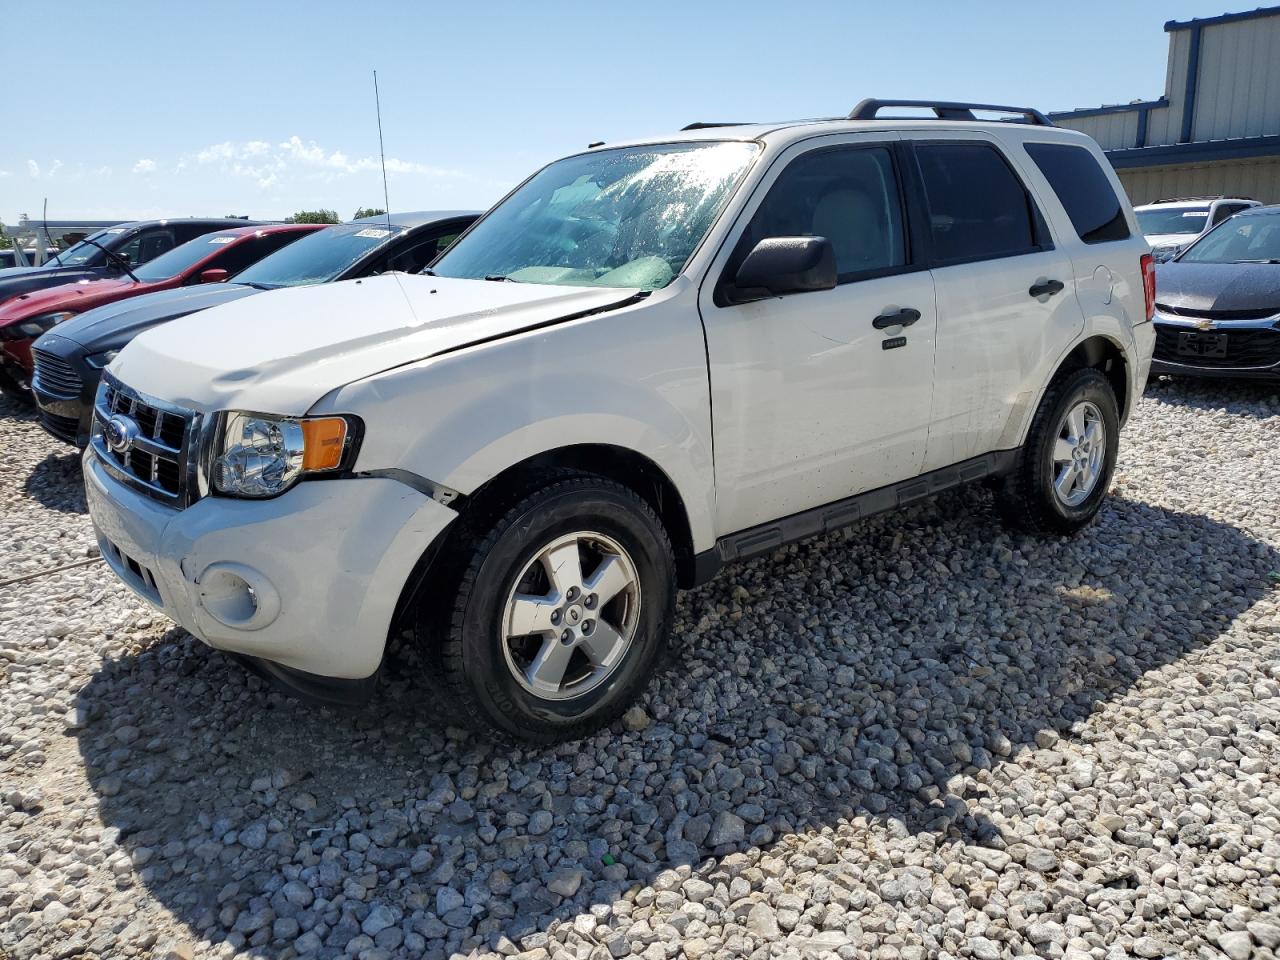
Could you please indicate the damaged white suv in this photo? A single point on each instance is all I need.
(648, 360)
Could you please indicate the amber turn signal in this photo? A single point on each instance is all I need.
(323, 442)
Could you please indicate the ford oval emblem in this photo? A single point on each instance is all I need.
(119, 433)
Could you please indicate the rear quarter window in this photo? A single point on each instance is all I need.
(1084, 189)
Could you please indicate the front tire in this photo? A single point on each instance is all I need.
(560, 616)
(1064, 469)
(14, 390)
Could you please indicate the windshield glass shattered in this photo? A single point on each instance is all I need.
(629, 217)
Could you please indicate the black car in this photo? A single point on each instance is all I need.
(109, 252)
(1218, 304)
(70, 358)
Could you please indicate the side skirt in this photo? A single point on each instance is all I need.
(832, 516)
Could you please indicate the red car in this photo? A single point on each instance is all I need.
(207, 259)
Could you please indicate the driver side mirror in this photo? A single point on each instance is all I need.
(213, 275)
(782, 265)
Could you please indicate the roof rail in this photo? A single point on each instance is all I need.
(945, 110)
(702, 125)
(1218, 196)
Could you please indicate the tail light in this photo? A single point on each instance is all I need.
(1149, 284)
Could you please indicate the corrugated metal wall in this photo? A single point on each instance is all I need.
(1113, 131)
(1165, 124)
(1238, 94)
(1259, 179)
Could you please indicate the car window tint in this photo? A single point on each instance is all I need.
(239, 256)
(1084, 190)
(978, 208)
(850, 196)
(150, 245)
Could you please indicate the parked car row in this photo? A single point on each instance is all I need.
(1217, 308)
(70, 358)
(518, 433)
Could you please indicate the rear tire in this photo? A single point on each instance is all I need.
(560, 614)
(1064, 469)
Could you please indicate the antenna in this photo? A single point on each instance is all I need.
(382, 151)
(42, 249)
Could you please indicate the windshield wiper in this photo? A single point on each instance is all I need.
(499, 278)
(115, 258)
(1271, 260)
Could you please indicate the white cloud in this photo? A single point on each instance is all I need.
(144, 166)
(4, 173)
(33, 169)
(268, 164)
(57, 165)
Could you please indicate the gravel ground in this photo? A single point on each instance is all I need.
(923, 737)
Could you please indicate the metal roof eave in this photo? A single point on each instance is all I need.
(1239, 148)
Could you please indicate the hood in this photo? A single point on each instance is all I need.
(1169, 239)
(111, 326)
(17, 280)
(1207, 289)
(79, 296)
(283, 350)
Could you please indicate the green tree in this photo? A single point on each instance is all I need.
(5, 242)
(313, 216)
(368, 212)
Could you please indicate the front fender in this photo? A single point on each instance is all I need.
(634, 378)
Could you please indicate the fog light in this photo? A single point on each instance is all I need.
(238, 596)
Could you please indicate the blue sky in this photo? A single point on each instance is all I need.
(263, 108)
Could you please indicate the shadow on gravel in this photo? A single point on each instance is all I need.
(863, 673)
(1259, 399)
(56, 482)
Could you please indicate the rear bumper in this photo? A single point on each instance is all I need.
(308, 581)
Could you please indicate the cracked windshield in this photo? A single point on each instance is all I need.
(617, 218)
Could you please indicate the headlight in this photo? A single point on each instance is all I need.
(259, 455)
(100, 360)
(46, 321)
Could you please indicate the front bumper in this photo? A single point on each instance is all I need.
(1253, 348)
(66, 412)
(326, 563)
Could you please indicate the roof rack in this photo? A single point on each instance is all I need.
(946, 110)
(1219, 196)
(702, 125)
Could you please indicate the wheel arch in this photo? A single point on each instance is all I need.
(1104, 354)
(620, 464)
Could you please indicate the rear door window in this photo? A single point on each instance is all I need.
(1084, 190)
(978, 208)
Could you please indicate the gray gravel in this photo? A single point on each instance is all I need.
(920, 738)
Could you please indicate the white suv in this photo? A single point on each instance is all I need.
(648, 360)
(1170, 226)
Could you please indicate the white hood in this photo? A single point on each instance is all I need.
(280, 352)
(1169, 239)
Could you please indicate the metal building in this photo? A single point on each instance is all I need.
(1216, 130)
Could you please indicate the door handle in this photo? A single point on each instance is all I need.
(903, 318)
(1046, 288)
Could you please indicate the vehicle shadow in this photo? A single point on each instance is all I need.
(1259, 399)
(223, 791)
(55, 482)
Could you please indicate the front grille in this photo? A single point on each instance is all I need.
(151, 443)
(55, 376)
(1198, 314)
(64, 428)
(1245, 348)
